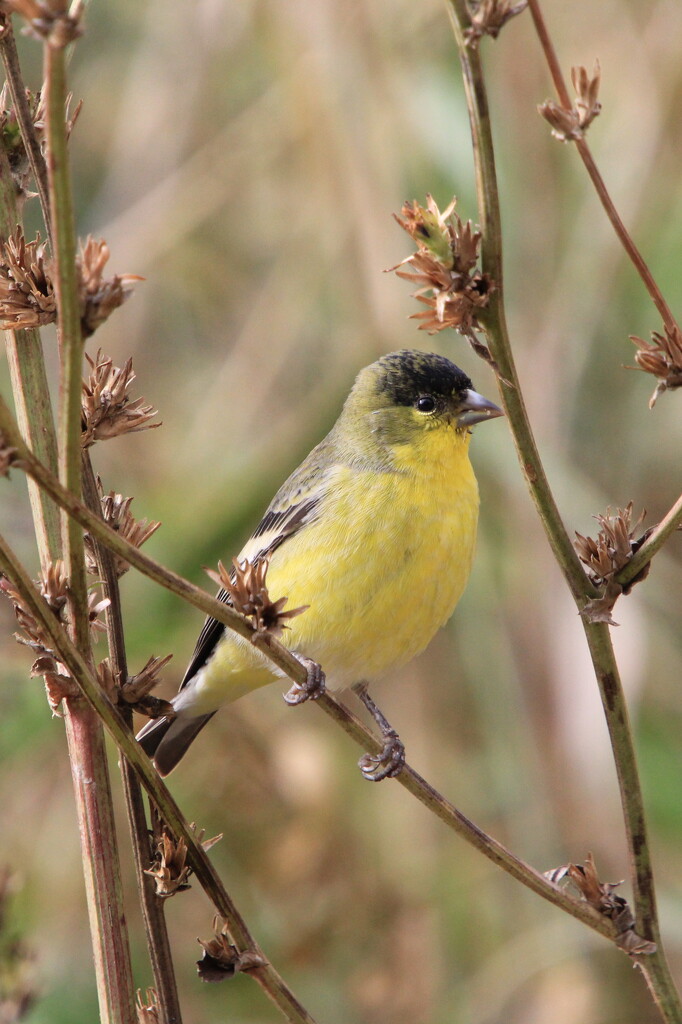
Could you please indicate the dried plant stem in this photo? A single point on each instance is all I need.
(84, 677)
(158, 943)
(87, 750)
(598, 638)
(593, 171)
(99, 850)
(285, 660)
(17, 89)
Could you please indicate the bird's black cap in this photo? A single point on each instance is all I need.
(407, 374)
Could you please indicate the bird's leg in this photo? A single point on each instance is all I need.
(391, 761)
(312, 688)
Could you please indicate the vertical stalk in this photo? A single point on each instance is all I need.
(31, 393)
(598, 638)
(15, 81)
(84, 729)
(69, 328)
(158, 942)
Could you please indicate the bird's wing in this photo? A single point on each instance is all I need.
(293, 507)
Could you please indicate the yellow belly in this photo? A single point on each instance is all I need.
(382, 570)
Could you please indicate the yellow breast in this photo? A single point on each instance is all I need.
(387, 562)
(381, 569)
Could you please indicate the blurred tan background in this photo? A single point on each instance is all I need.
(245, 157)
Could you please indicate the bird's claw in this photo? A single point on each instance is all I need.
(386, 765)
(311, 689)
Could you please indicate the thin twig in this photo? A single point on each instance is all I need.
(466, 829)
(654, 542)
(69, 655)
(624, 236)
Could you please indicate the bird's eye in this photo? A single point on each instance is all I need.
(426, 403)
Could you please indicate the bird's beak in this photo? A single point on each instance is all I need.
(475, 408)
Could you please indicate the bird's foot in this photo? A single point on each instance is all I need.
(386, 765)
(391, 761)
(311, 689)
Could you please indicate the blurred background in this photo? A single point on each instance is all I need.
(245, 158)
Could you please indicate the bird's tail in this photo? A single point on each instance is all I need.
(166, 742)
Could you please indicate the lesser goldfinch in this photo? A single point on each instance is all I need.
(374, 531)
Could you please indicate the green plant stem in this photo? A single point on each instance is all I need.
(17, 90)
(69, 331)
(600, 650)
(624, 236)
(87, 752)
(31, 392)
(295, 671)
(617, 718)
(153, 912)
(82, 674)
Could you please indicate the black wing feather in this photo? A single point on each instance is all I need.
(291, 520)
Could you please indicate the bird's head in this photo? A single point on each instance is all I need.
(408, 393)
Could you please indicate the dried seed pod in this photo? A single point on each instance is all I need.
(488, 18)
(444, 267)
(246, 587)
(107, 409)
(661, 357)
(606, 555)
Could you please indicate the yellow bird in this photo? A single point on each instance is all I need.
(375, 532)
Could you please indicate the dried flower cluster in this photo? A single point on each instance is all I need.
(53, 586)
(222, 960)
(50, 20)
(662, 357)
(147, 1007)
(58, 682)
(568, 125)
(600, 895)
(116, 513)
(444, 267)
(245, 584)
(107, 409)
(54, 589)
(135, 692)
(27, 297)
(99, 297)
(606, 556)
(488, 18)
(170, 869)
